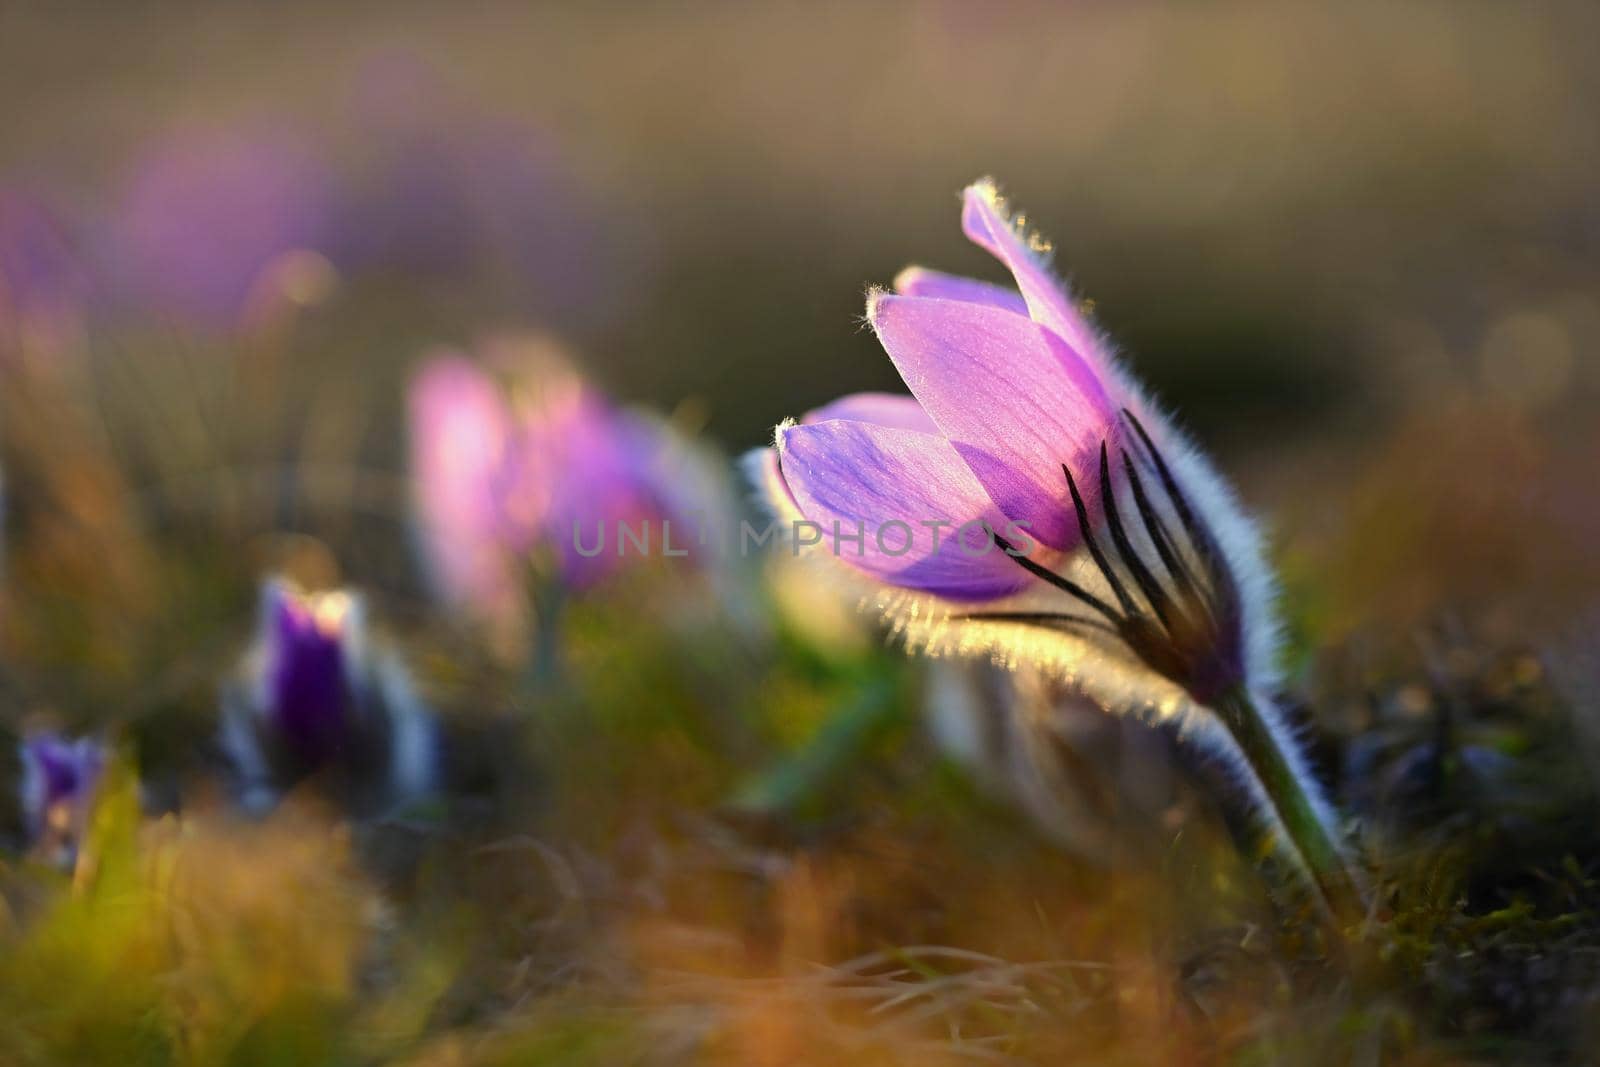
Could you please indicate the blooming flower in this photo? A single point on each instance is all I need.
(59, 777)
(541, 469)
(316, 696)
(1029, 501)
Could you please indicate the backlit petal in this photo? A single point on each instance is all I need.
(891, 484)
(1013, 399)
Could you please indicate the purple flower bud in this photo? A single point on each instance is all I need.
(316, 697)
(59, 777)
(307, 692)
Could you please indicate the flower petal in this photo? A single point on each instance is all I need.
(307, 703)
(460, 434)
(1014, 400)
(891, 484)
(920, 281)
(985, 222)
(880, 409)
(773, 496)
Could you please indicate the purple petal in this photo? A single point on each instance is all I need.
(880, 409)
(1013, 399)
(594, 462)
(984, 221)
(890, 483)
(307, 695)
(460, 443)
(57, 772)
(920, 281)
(685, 480)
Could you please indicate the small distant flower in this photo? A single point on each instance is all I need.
(59, 778)
(44, 280)
(443, 191)
(207, 217)
(1031, 503)
(317, 697)
(536, 470)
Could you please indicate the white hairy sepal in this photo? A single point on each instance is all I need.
(1096, 664)
(1210, 496)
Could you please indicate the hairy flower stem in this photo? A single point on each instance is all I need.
(1302, 821)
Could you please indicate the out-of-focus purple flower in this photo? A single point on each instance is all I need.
(206, 217)
(465, 471)
(59, 778)
(306, 693)
(538, 468)
(44, 282)
(442, 191)
(316, 698)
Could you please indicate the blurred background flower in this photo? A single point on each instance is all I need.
(59, 779)
(205, 215)
(527, 479)
(318, 697)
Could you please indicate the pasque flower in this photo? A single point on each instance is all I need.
(316, 695)
(59, 778)
(520, 464)
(1028, 501)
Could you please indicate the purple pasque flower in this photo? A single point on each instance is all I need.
(1089, 538)
(528, 465)
(1043, 492)
(207, 216)
(59, 778)
(305, 687)
(316, 697)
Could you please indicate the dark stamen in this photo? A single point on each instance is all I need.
(1100, 560)
(1160, 603)
(1177, 567)
(1180, 503)
(1221, 584)
(1066, 585)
